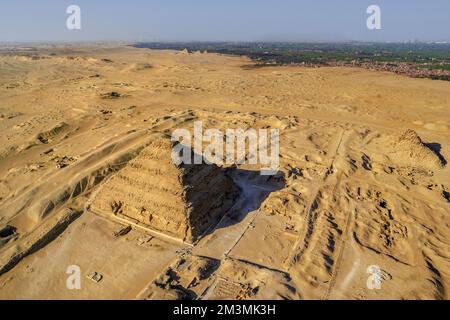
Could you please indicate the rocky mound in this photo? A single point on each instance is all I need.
(409, 148)
(180, 201)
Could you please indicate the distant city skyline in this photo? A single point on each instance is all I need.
(232, 20)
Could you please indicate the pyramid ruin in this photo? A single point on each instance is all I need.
(181, 201)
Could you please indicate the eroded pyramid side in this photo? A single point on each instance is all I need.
(181, 201)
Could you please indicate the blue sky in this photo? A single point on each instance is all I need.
(225, 20)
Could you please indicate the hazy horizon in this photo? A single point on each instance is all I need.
(231, 21)
(131, 42)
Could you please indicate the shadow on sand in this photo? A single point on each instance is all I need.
(254, 190)
(436, 148)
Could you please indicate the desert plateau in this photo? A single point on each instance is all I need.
(87, 181)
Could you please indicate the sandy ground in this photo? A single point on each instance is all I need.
(363, 180)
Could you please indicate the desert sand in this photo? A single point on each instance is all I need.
(86, 179)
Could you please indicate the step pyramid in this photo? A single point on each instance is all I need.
(181, 201)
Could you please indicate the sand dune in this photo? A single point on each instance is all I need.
(363, 179)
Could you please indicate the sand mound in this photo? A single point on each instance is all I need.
(180, 201)
(409, 148)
